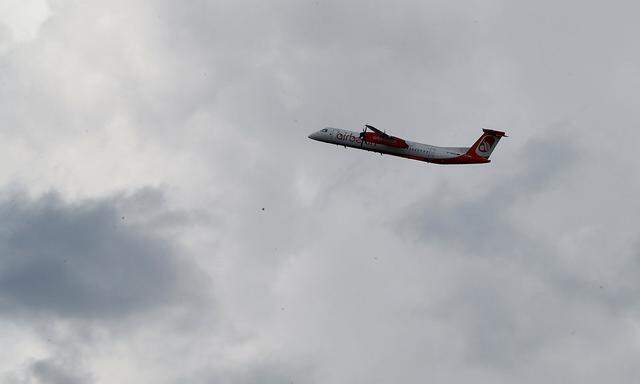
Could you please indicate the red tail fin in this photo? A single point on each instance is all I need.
(486, 143)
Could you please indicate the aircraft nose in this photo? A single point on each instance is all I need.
(313, 136)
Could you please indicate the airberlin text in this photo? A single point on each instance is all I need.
(350, 138)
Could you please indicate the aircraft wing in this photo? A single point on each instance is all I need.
(380, 137)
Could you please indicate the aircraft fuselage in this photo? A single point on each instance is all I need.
(410, 150)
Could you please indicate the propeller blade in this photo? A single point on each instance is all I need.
(376, 130)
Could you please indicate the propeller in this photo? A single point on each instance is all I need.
(362, 136)
(376, 130)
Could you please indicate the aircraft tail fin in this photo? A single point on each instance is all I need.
(486, 143)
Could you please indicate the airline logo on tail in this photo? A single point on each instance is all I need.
(485, 146)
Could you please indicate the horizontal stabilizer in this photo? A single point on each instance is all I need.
(495, 133)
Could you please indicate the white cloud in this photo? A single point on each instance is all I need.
(20, 21)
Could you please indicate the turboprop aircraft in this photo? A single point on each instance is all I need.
(379, 141)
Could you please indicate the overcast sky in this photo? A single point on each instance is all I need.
(164, 218)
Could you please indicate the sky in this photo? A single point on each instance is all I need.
(165, 219)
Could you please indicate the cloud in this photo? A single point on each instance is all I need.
(94, 259)
(48, 371)
(21, 21)
(480, 224)
(517, 294)
(361, 268)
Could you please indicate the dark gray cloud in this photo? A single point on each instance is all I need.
(268, 371)
(94, 259)
(48, 371)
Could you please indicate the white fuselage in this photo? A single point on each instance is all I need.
(414, 150)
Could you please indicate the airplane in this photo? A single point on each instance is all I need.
(379, 141)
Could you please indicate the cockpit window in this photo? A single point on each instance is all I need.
(325, 130)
